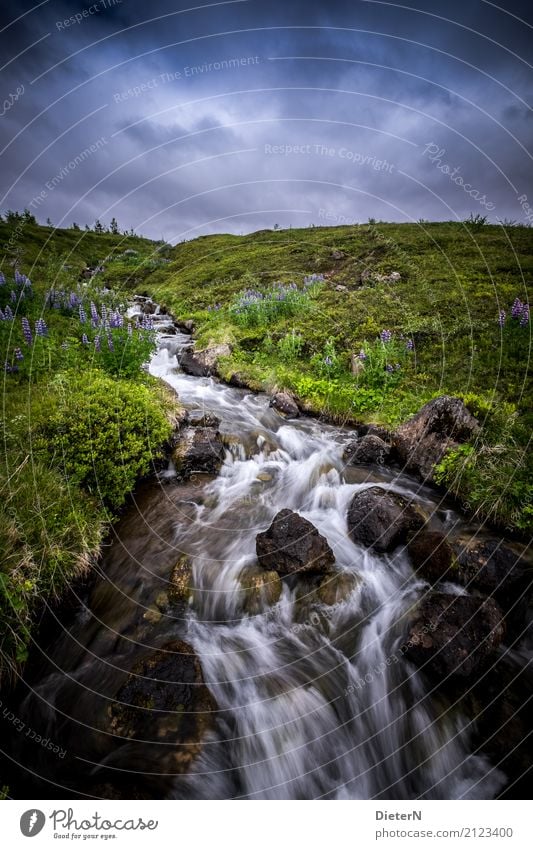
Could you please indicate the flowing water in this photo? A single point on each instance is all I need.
(315, 700)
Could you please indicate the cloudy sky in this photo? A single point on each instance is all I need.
(183, 118)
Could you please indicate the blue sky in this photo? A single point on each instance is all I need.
(182, 119)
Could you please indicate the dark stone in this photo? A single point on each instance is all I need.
(367, 450)
(199, 450)
(285, 404)
(454, 635)
(164, 701)
(204, 363)
(440, 425)
(202, 418)
(292, 544)
(432, 557)
(236, 380)
(494, 569)
(148, 308)
(381, 519)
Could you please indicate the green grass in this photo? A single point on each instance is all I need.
(455, 278)
(78, 427)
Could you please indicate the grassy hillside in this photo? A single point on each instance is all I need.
(80, 421)
(454, 280)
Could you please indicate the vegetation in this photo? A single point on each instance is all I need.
(438, 289)
(81, 421)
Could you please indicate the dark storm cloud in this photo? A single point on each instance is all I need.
(236, 116)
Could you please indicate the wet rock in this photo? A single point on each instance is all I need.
(152, 615)
(148, 308)
(492, 568)
(259, 590)
(432, 557)
(336, 588)
(165, 701)
(199, 450)
(375, 430)
(285, 404)
(454, 635)
(204, 363)
(180, 585)
(439, 426)
(237, 380)
(381, 519)
(186, 326)
(369, 449)
(292, 545)
(202, 418)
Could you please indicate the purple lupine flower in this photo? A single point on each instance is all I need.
(2, 316)
(73, 300)
(84, 339)
(110, 342)
(525, 315)
(8, 313)
(501, 318)
(362, 355)
(103, 310)
(2, 278)
(389, 368)
(410, 345)
(516, 309)
(97, 346)
(385, 336)
(94, 314)
(83, 315)
(328, 361)
(26, 331)
(18, 354)
(19, 278)
(13, 297)
(40, 327)
(130, 329)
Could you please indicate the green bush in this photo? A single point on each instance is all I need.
(104, 433)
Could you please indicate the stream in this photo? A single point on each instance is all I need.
(313, 700)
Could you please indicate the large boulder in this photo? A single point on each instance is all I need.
(382, 520)
(432, 557)
(203, 363)
(199, 450)
(440, 425)
(368, 450)
(454, 636)
(492, 568)
(166, 706)
(292, 545)
(285, 404)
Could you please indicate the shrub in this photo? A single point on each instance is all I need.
(289, 347)
(104, 433)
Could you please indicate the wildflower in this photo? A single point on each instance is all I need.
(328, 361)
(2, 278)
(8, 312)
(362, 355)
(103, 310)
(410, 345)
(516, 309)
(40, 327)
(389, 368)
(130, 329)
(13, 297)
(83, 315)
(73, 300)
(501, 318)
(525, 315)
(97, 346)
(64, 345)
(84, 339)
(110, 343)
(26, 331)
(385, 336)
(18, 354)
(94, 315)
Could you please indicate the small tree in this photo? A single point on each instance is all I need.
(75, 226)
(98, 226)
(114, 226)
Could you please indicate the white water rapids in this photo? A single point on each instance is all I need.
(316, 701)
